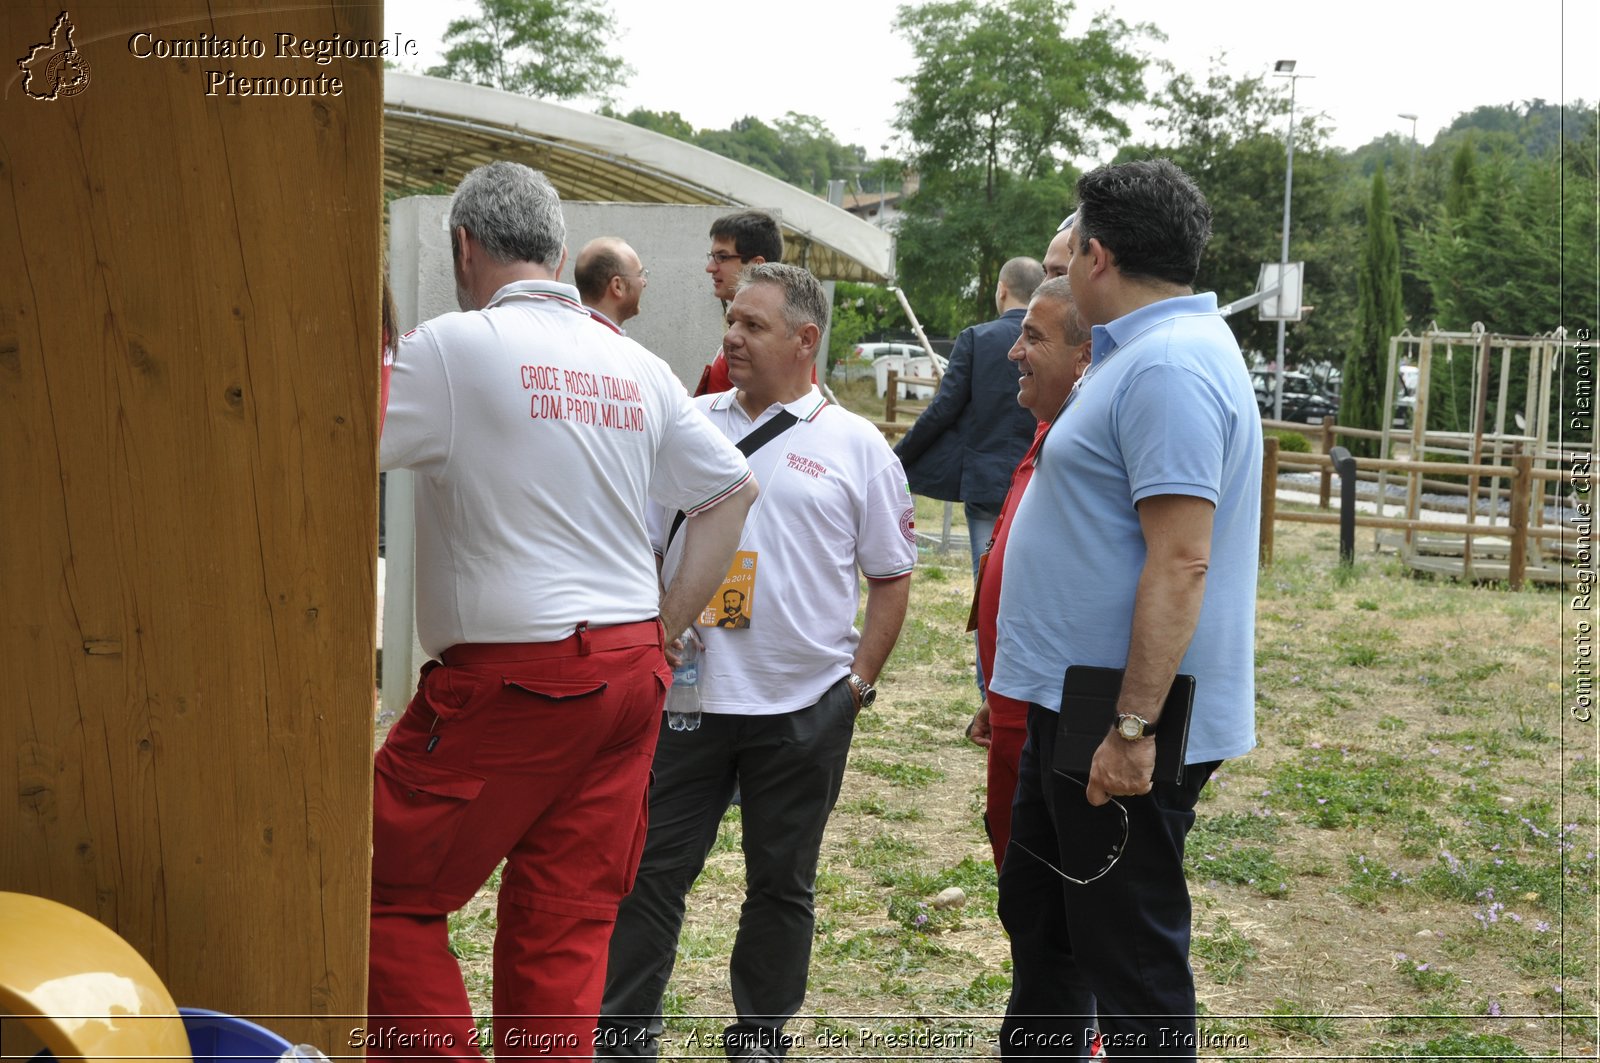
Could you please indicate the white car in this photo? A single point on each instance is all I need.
(881, 350)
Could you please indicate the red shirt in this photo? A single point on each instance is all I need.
(1003, 711)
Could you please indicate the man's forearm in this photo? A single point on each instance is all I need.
(709, 540)
(1166, 606)
(880, 627)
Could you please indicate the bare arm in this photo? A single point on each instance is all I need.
(1166, 609)
(880, 628)
(709, 539)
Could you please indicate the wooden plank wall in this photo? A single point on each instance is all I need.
(188, 507)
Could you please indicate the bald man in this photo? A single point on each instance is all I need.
(610, 280)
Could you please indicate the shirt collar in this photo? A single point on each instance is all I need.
(806, 408)
(606, 321)
(1107, 339)
(538, 289)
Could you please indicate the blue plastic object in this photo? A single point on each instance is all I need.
(215, 1035)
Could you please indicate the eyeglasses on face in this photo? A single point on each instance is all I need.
(719, 257)
(643, 274)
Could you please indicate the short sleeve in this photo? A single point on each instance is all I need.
(1172, 428)
(697, 466)
(886, 542)
(418, 421)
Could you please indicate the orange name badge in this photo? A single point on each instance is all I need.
(731, 606)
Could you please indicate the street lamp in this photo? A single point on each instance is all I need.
(1285, 69)
(1413, 119)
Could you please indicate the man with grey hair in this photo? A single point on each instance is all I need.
(537, 437)
(1051, 352)
(780, 696)
(610, 280)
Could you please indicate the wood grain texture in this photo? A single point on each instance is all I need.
(188, 380)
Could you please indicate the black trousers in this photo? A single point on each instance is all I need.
(1113, 953)
(788, 769)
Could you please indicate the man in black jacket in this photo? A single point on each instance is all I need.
(968, 441)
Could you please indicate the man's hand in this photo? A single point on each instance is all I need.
(979, 731)
(1121, 768)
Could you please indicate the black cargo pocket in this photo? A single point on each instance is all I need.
(418, 812)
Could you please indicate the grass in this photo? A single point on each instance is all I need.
(1404, 868)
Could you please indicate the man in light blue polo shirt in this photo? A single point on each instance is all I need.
(1135, 546)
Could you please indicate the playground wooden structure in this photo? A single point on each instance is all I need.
(1513, 527)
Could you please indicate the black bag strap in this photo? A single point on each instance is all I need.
(747, 446)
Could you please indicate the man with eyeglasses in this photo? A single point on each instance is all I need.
(1134, 546)
(610, 280)
(737, 240)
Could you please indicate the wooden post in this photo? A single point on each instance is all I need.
(1325, 488)
(891, 396)
(1522, 481)
(189, 360)
(1269, 495)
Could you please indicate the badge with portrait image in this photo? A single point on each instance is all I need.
(731, 606)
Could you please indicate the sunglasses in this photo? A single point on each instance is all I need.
(1113, 849)
(1067, 222)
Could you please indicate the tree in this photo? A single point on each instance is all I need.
(798, 148)
(1228, 134)
(553, 49)
(1002, 97)
(1379, 316)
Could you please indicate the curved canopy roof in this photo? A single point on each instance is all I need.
(437, 130)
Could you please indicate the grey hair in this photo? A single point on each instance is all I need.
(804, 300)
(513, 211)
(1060, 290)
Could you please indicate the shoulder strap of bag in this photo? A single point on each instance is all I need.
(747, 446)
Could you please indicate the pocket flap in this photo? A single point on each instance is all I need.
(555, 689)
(427, 778)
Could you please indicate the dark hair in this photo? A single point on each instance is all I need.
(755, 234)
(1149, 214)
(597, 264)
(390, 316)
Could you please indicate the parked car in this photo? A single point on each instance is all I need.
(1302, 402)
(880, 350)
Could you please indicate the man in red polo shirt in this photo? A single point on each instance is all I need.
(1051, 352)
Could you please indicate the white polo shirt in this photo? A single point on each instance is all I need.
(833, 503)
(539, 436)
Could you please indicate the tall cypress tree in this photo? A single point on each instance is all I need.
(1379, 316)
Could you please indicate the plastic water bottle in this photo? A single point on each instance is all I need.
(683, 700)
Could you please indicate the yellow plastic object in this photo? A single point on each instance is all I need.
(80, 988)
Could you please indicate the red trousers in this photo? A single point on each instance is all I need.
(1005, 753)
(538, 755)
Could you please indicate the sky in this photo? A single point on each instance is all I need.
(1366, 61)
